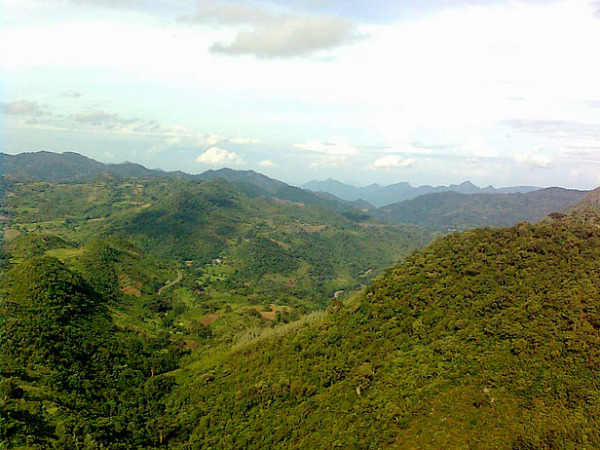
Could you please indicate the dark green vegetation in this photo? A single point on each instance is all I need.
(70, 377)
(185, 313)
(487, 339)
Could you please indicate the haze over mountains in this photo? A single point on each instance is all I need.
(71, 166)
(449, 210)
(440, 208)
(379, 195)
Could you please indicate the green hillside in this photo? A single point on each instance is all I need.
(436, 209)
(70, 167)
(144, 272)
(70, 377)
(487, 339)
(274, 249)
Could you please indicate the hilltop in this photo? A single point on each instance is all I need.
(70, 167)
(590, 201)
(73, 168)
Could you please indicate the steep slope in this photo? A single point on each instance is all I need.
(69, 376)
(487, 339)
(448, 211)
(590, 201)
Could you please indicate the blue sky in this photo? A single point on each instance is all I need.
(496, 92)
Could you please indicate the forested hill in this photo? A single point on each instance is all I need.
(295, 252)
(73, 168)
(486, 339)
(111, 289)
(448, 211)
(70, 167)
(461, 208)
(70, 377)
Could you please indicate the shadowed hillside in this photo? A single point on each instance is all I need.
(449, 211)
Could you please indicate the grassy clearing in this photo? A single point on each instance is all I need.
(10, 234)
(64, 253)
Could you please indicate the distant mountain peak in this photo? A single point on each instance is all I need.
(379, 195)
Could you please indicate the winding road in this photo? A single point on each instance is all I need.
(171, 283)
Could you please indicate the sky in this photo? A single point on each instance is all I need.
(501, 92)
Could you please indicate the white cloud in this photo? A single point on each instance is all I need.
(417, 149)
(181, 137)
(534, 159)
(391, 161)
(157, 148)
(269, 35)
(476, 145)
(22, 108)
(290, 37)
(336, 147)
(217, 156)
(101, 119)
(267, 163)
(470, 143)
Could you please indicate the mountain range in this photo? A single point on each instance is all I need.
(448, 211)
(438, 209)
(379, 195)
(70, 167)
